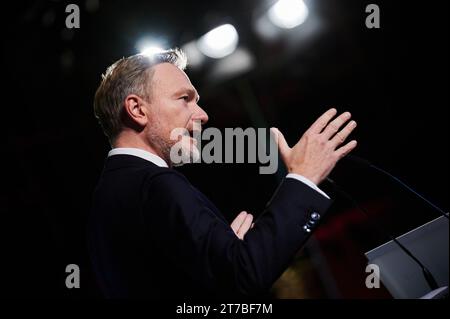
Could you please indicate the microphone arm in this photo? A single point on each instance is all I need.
(365, 162)
(431, 281)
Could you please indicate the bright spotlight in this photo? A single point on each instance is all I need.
(288, 14)
(195, 57)
(151, 50)
(219, 42)
(150, 45)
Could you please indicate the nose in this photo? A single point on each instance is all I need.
(200, 114)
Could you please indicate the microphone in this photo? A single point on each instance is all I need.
(431, 281)
(365, 162)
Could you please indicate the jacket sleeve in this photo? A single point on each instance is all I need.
(206, 247)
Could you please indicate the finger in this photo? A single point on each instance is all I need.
(237, 222)
(347, 148)
(322, 121)
(342, 135)
(283, 146)
(335, 125)
(245, 226)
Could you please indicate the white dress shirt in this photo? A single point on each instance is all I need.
(155, 159)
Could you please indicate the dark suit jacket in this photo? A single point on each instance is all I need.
(152, 234)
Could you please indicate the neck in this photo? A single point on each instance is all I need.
(124, 140)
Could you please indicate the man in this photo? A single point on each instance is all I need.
(152, 234)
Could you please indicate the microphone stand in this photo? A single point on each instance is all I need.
(431, 281)
(365, 162)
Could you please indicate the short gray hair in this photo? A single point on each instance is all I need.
(131, 75)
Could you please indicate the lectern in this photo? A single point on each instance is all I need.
(404, 277)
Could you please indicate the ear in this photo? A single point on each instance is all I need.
(135, 110)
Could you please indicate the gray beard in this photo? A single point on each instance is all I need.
(162, 145)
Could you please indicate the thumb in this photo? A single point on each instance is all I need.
(283, 146)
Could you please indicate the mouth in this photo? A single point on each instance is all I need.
(193, 133)
(190, 133)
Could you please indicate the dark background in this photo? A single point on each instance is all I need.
(394, 80)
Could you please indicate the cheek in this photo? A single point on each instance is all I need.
(179, 117)
(169, 115)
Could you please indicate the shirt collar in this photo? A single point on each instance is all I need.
(155, 159)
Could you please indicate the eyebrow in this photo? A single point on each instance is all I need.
(191, 92)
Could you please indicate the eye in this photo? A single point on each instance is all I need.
(185, 97)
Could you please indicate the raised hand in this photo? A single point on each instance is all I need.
(320, 147)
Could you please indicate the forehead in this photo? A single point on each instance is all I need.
(168, 77)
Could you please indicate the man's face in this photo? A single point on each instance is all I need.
(173, 104)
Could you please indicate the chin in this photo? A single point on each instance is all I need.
(189, 154)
